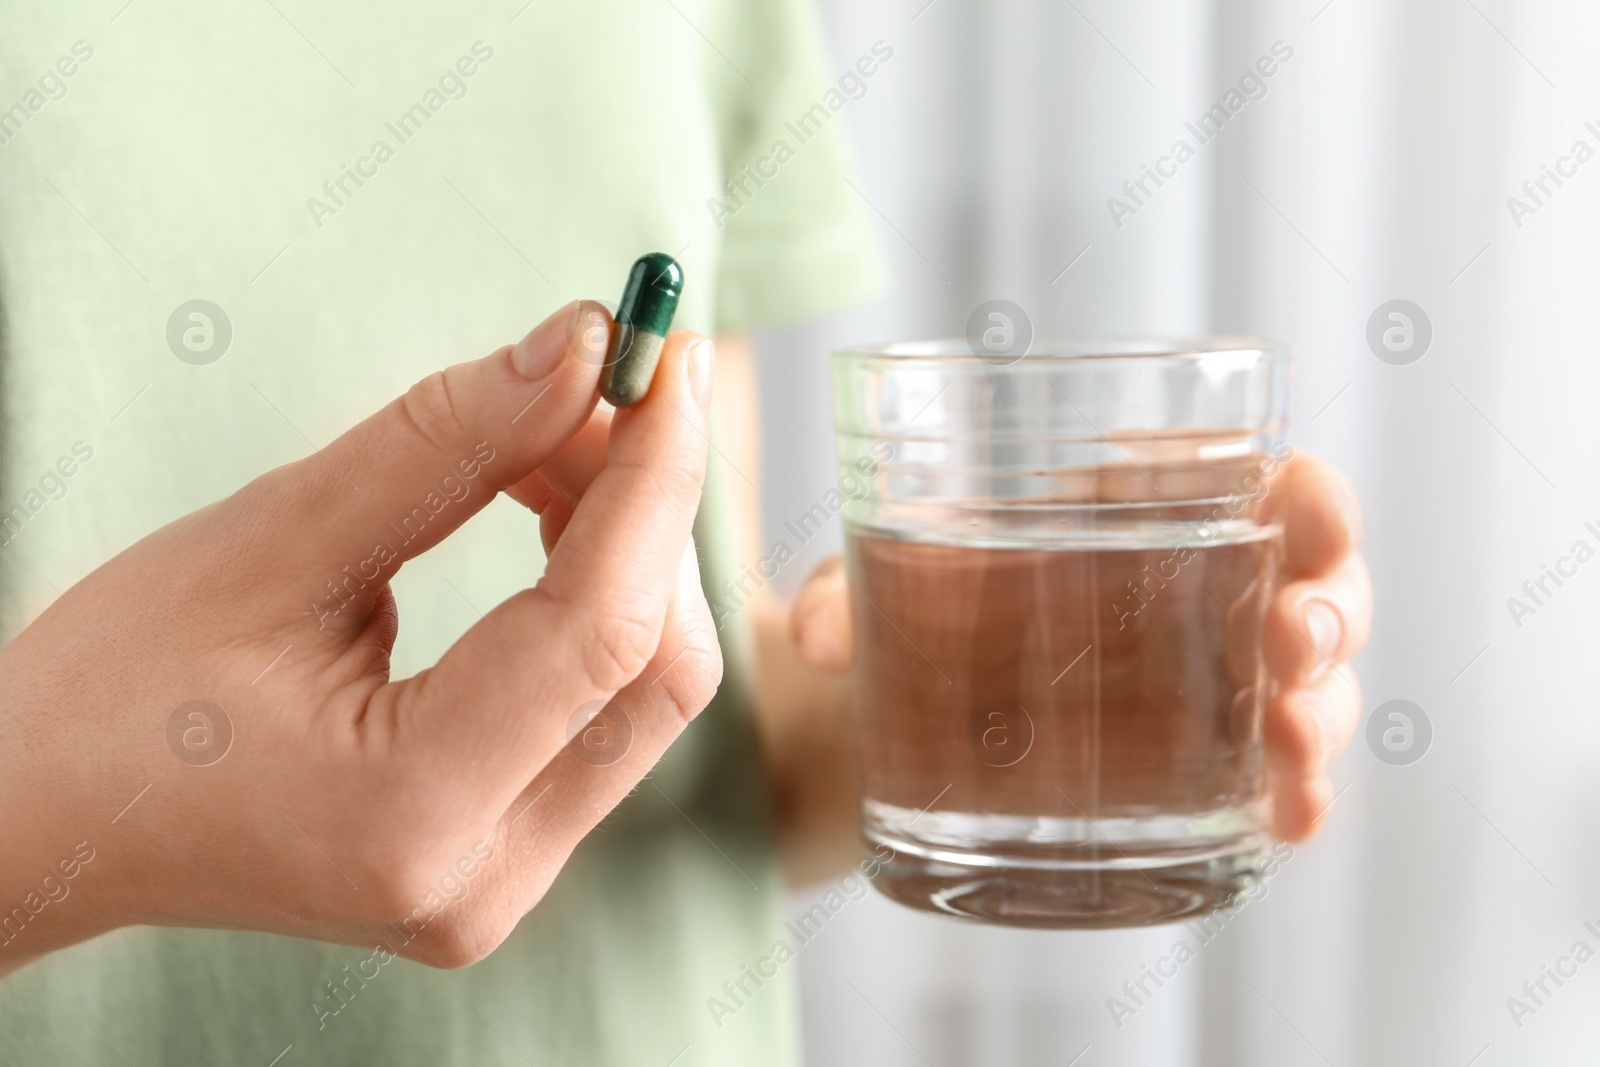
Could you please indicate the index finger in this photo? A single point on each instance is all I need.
(596, 617)
(616, 559)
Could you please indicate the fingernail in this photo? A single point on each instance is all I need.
(537, 354)
(591, 333)
(702, 368)
(1325, 627)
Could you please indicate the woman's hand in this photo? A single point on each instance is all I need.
(1320, 617)
(310, 794)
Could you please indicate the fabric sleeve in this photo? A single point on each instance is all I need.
(796, 241)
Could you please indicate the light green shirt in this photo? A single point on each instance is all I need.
(369, 191)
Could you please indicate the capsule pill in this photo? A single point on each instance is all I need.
(644, 316)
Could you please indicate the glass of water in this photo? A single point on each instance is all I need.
(1059, 576)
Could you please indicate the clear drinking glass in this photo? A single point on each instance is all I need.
(1060, 567)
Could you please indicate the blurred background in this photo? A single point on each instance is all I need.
(1385, 161)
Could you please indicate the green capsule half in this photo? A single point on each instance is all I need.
(644, 317)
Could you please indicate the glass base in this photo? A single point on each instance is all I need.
(1066, 874)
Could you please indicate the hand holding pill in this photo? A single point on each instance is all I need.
(346, 795)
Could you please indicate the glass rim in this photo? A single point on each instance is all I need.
(1068, 349)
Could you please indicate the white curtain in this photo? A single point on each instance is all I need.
(1378, 165)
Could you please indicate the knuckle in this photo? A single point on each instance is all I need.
(684, 478)
(691, 682)
(619, 646)
(1344, 491)
(452, 942)
(258, 510)
(445, 922)
(431, 410)
(1357, 581)
(263, 493)
(264, 505)
(1345, 708)
(1292, 740)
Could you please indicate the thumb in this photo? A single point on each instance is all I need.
(819, 622)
